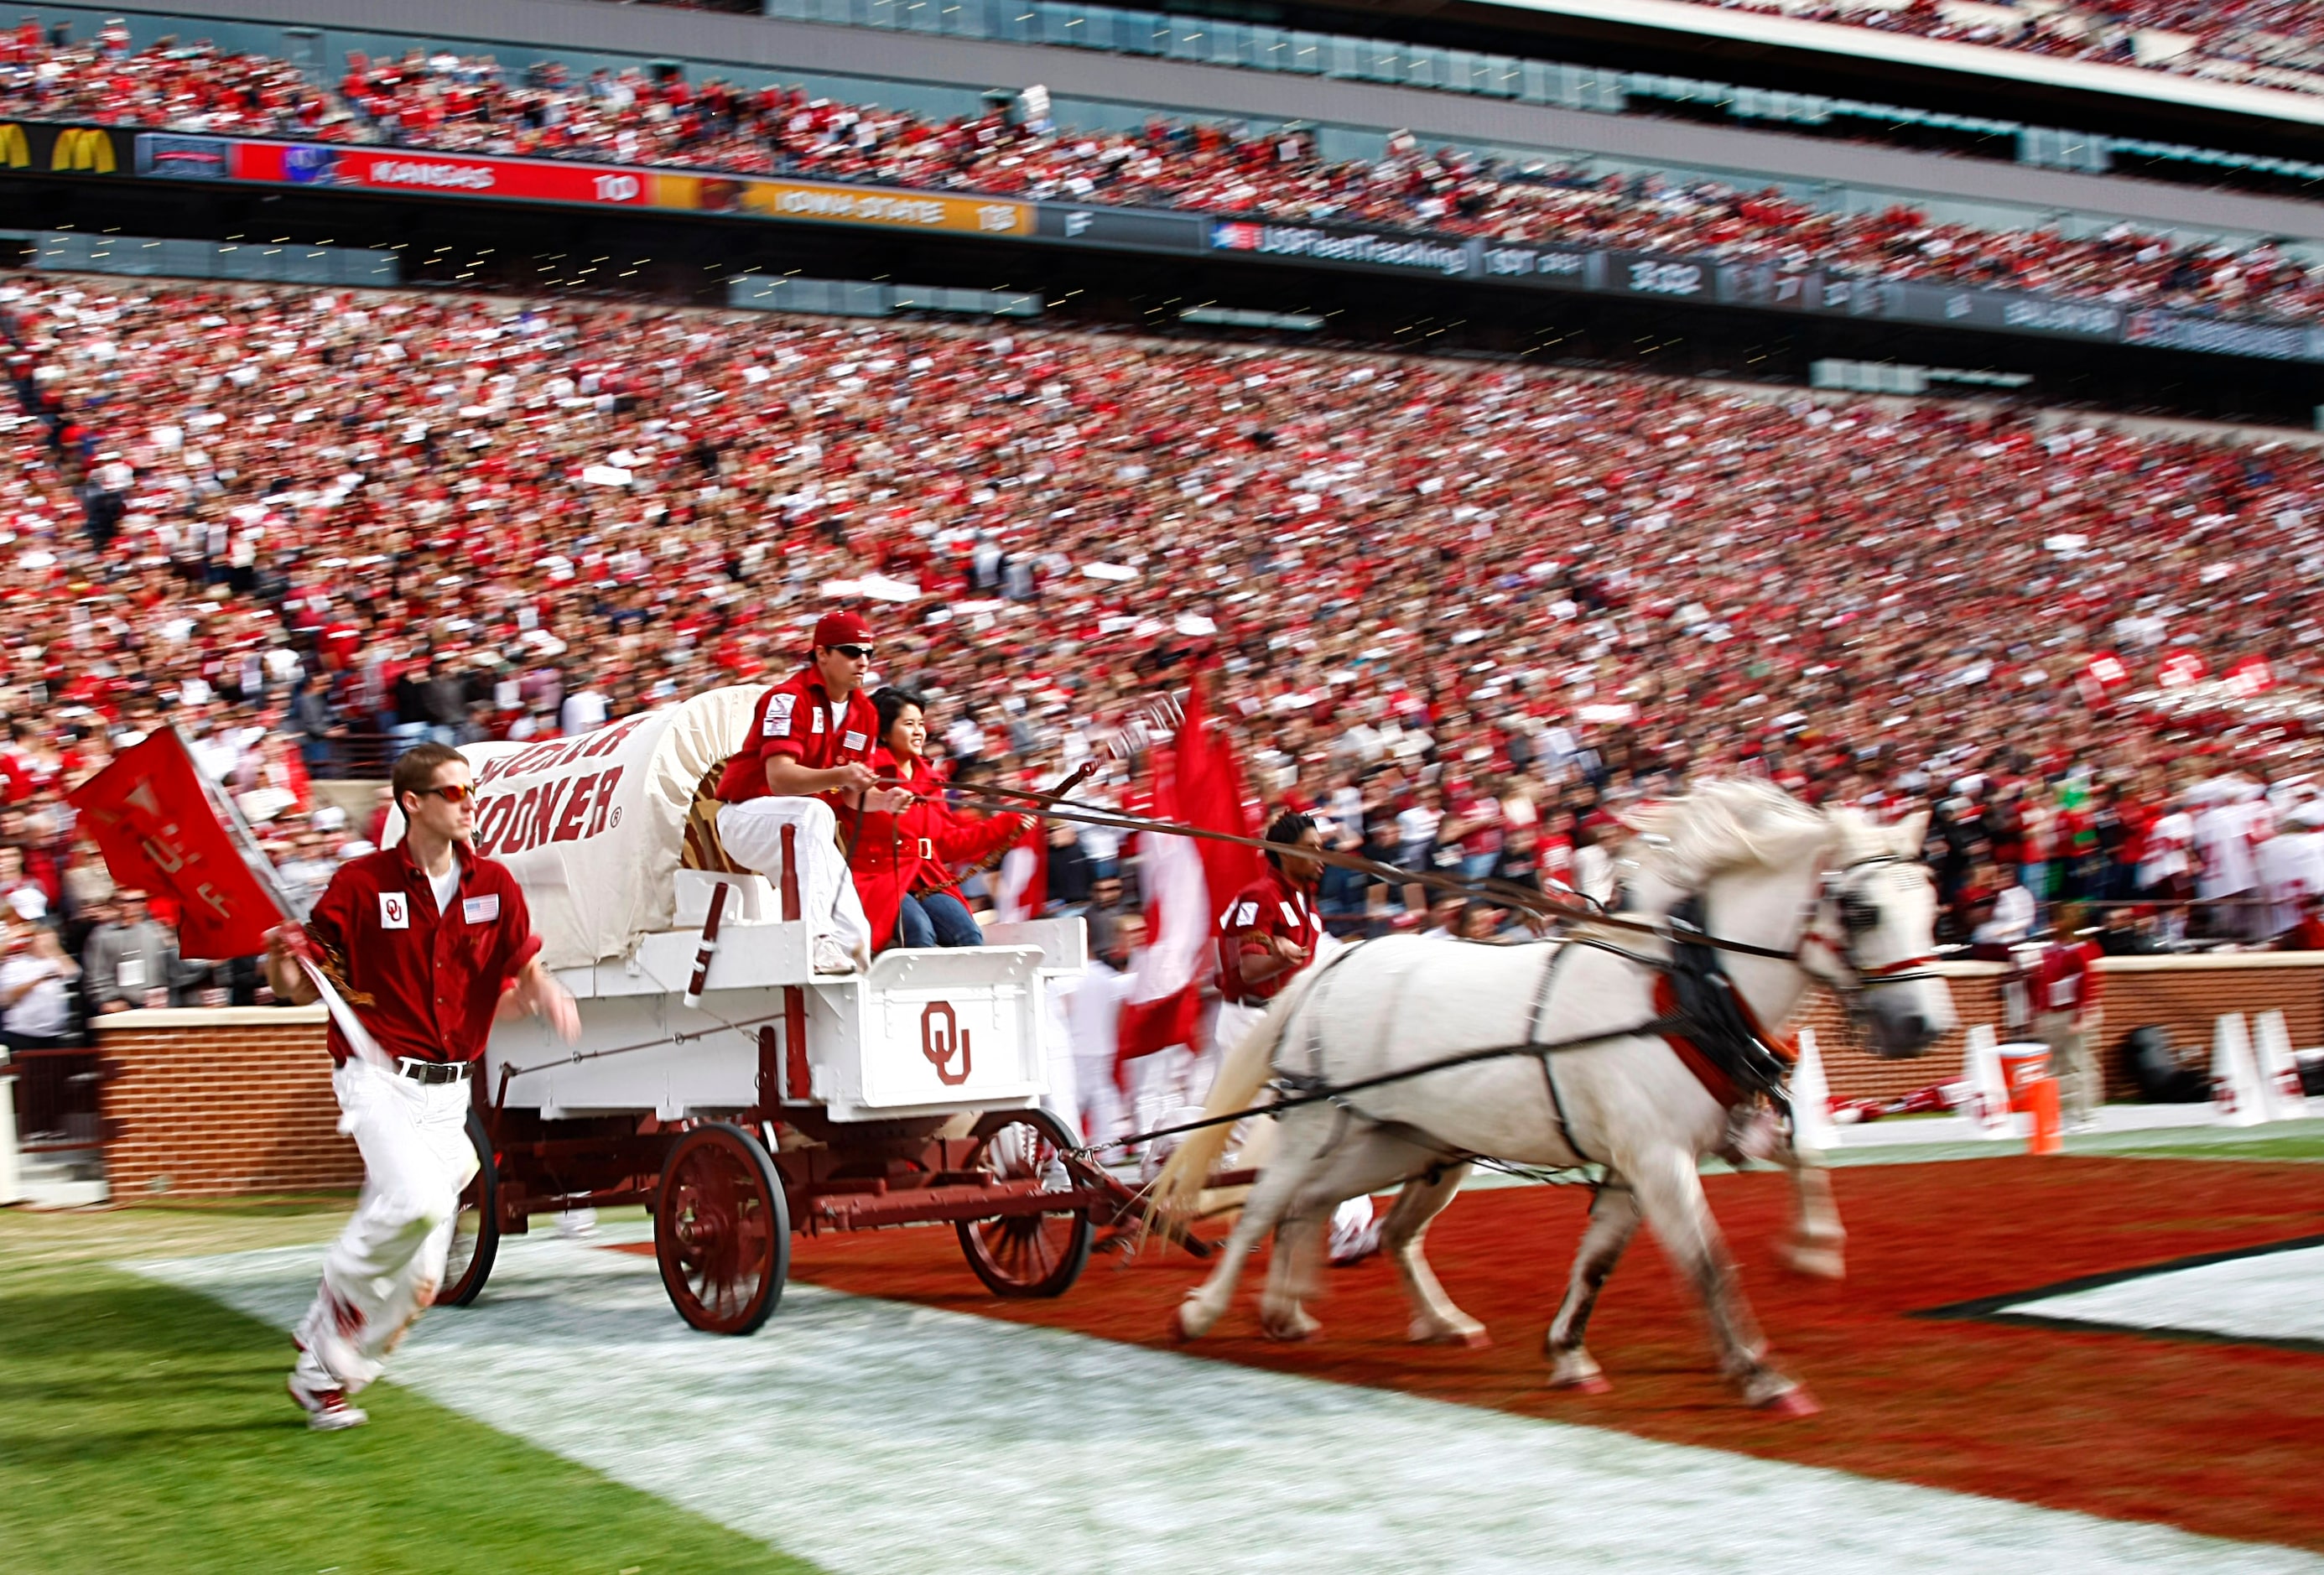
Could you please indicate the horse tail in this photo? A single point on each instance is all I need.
(1178, 1189)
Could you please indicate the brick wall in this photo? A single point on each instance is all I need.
(240, 1102)
(2183, 995)
(1856, 1073)
(217, 1102)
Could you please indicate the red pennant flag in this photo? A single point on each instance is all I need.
(154, 820)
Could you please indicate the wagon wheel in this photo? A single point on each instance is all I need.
(722, 1230)
(1026, 1255)
(476, 1229)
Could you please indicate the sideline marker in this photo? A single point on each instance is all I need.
(2279, 1068)
(1813, 1131)
(1988, 1092)
(2237, 1099)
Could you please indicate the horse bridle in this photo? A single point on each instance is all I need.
(1855, 916)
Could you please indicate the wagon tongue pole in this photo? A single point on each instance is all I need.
(709, 946)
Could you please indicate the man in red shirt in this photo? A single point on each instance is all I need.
(2065, 986)
(428, 945)
(1269, 931)
(806, 765)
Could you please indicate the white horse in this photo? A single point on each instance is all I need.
(1825, 897)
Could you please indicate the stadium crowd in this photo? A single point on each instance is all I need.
(2265, 43)
(470, 105)
(1463, 610)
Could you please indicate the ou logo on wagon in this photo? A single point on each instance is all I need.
(941, 1035)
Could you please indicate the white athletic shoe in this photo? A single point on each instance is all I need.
(1355, 1237)
(328, 1410)
(830, 956)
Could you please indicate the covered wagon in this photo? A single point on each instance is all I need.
(718, 1079)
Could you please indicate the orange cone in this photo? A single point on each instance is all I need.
(2048, 1136)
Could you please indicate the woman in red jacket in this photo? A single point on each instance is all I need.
(902, 862)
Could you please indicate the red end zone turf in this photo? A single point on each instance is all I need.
(2218, 1438)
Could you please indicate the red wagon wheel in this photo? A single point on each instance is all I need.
(476, 1231)
(1026, 1255)
(722, 1230)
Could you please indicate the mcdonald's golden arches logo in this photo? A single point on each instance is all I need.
(85, 148)
(14, 151)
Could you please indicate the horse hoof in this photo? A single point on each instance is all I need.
(1182, 1325)
(1791, 1405)
(1584, 1384)
(1290, 1330)
(1817, 1263)
(1476, 1339)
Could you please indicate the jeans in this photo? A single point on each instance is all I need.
(937, 918)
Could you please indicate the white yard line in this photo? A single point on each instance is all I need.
(2270, 1295)
(874, 1437)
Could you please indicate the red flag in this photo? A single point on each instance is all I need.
(153, 819)
(1210, 796)
(1187, 883)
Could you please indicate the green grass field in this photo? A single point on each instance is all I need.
(144, 1428)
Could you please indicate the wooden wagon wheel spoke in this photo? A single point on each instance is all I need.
(1026, 1255)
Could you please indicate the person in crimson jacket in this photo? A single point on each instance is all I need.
(1270, 930)
(807, 765)
(902, 860)
(427, 943)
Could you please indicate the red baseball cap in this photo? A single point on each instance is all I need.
(842, 629)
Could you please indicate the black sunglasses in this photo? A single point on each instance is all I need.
(862, 653)
(452, 792)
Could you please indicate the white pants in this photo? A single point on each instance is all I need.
(382, 1272)
(752, 836)
(1058, 1061)
(1104, 1115)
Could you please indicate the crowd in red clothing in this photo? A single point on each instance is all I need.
(448, 102)
(449, 514)
(2262, 43)
(1459, 607)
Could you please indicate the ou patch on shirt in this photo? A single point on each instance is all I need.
(394, 910)
(481, 910)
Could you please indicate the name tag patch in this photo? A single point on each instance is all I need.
(481, 910)
(394, 911)
(817, 715)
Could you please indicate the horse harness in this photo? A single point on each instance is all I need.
(1698, 1012)
(1731, 1054)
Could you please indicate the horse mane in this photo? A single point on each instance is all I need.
(1726, 823)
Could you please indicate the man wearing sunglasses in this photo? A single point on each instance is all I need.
(805, 764)
(429, 943)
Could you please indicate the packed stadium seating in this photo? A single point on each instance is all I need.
(228, 503)
(455, 104)
(2278, 44)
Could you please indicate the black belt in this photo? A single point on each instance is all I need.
(431, 1071)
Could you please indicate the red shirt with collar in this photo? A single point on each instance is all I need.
(1269, 907)
(2064, 979)
(793, 719)
(425, 983)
